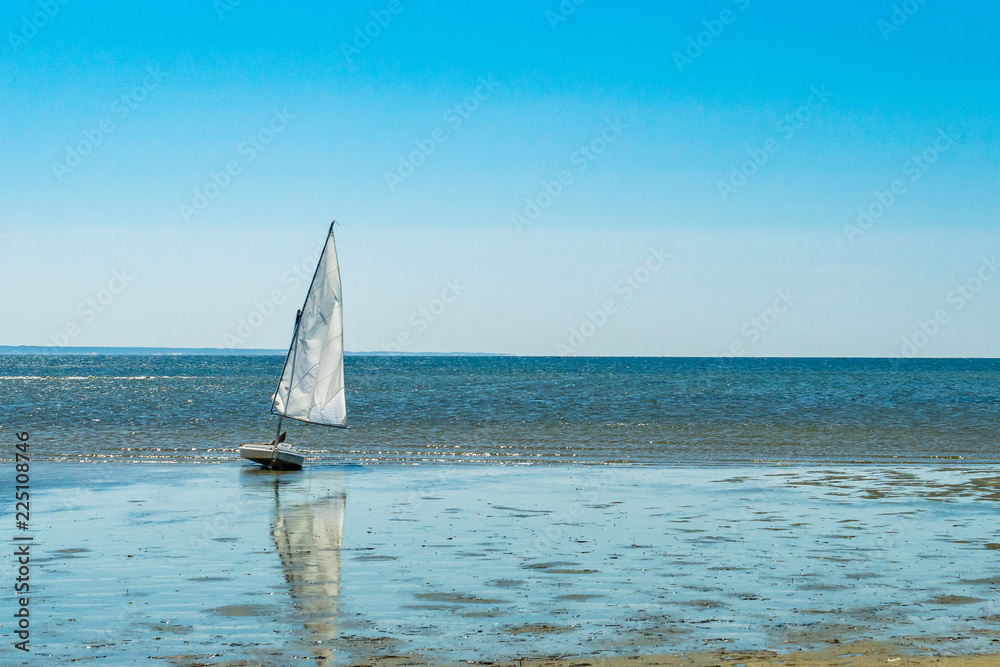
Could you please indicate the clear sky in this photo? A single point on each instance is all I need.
(647, 178)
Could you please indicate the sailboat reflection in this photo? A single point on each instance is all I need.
(308, 530)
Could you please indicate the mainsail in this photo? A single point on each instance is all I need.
(311, 388)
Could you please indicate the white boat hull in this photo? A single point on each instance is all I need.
(282, 458)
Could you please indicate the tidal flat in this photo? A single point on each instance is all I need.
(225, 564)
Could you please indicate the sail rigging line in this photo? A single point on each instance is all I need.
(295, 333)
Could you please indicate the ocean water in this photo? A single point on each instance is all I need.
(515, 409)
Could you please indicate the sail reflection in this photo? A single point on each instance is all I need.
(308, 532)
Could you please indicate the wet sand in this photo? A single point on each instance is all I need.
(527, 565)
(858, 654)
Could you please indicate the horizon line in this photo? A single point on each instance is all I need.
(40, 350)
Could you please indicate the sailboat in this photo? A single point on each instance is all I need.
(311, 388)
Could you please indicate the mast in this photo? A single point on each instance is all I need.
(291, 373)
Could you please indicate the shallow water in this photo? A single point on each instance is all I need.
(515, 409)
(335, 564)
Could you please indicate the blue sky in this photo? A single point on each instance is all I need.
(741, 139)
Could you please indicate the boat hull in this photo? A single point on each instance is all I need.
(282, 458)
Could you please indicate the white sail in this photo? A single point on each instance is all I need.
(312, 384)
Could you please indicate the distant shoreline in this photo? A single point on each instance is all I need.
(25, 350)
(11, 350)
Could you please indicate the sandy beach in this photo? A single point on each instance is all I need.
(857, 654)
(853, 654)
(527, 565)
